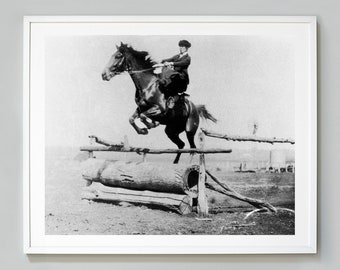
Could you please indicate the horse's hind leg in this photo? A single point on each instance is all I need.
(191, 128)
(172, 134)
(191, 140)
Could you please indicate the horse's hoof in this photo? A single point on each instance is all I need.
(143, 131)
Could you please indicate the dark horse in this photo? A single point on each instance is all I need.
(151, 102)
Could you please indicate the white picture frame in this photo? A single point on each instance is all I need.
(35, 241)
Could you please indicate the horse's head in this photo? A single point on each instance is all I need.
(126, 59)
(117, 63)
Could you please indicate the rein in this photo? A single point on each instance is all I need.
(144, 70)
(139, 71)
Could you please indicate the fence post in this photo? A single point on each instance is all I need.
(92, 140)
(126, 146)
(202, 207)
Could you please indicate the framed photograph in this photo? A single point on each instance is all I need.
(170, 135)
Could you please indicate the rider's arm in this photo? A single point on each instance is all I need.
(185, 61)
(171, 59)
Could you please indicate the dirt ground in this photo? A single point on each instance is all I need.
(66, 213)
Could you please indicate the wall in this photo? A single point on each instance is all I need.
(11, 255)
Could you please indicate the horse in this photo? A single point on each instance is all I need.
(151, 102)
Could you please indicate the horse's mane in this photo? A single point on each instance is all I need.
(142, 57)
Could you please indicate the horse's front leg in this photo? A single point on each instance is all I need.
(132, 120)
(146, 117)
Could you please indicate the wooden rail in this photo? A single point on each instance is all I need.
(142, 150)
(246, 138)
(124, 147)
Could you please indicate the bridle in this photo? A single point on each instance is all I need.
(128, 68)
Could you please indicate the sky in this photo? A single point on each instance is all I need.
(240, 79)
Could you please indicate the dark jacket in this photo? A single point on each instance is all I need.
(181, 65)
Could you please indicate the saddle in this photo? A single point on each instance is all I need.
(171, 83)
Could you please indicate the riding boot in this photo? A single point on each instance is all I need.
(170, 103)
(169, 113)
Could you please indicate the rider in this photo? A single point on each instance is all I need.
(178, 81)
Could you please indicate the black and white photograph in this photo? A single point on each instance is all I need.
(176, 134)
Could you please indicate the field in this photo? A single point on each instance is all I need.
(66, 213)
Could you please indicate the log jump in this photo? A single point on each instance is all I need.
(177, 187)
(168, 187)
(133, 180)
(174, 178)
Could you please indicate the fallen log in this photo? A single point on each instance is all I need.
(180, 203)
(169, 178)
(226, 190)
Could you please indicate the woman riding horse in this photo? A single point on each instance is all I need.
(178, 81)
(151, 102)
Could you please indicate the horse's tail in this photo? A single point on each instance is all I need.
(205, 114)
